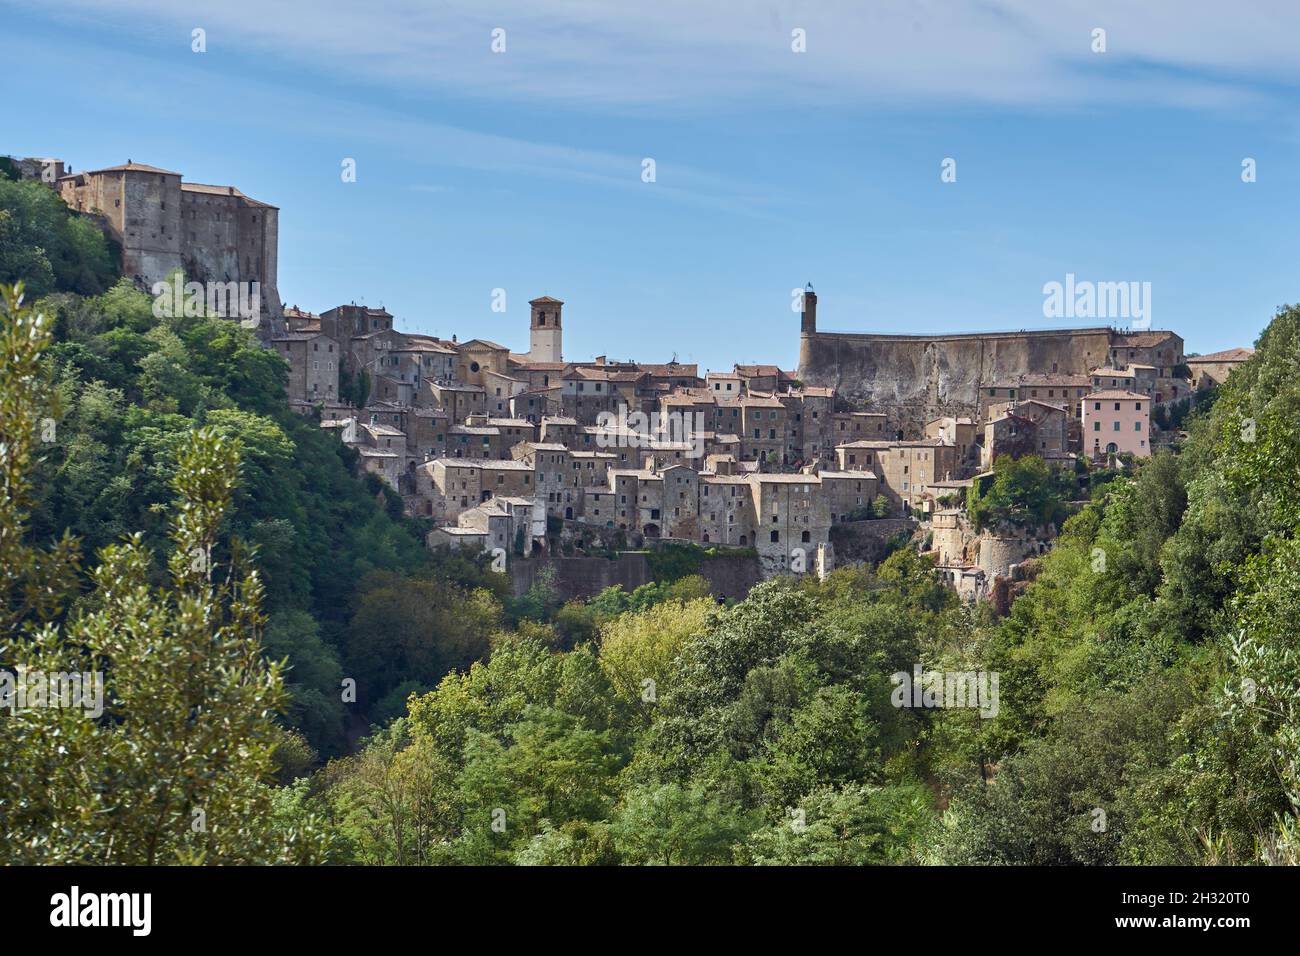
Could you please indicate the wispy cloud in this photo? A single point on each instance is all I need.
(679, 53)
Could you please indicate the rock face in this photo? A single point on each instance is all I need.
(916, 378)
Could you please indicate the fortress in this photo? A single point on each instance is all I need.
(914, 379)
(161, 224)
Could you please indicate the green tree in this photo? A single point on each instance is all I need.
(853, 826)
(177, 767)
(674, 825)
(47, 246)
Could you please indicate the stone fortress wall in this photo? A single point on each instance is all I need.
(917, 378)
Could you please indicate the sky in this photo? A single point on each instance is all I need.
(524, 170)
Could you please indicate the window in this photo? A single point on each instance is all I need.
(1137, 426)
(776, 536)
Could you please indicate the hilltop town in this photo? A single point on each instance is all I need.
(519, 453)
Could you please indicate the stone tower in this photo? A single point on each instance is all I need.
(544, 343)
(808, 318)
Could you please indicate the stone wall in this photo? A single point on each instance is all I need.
(916, 378)
(857, 542)
(996, 554)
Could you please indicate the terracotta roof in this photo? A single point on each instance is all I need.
(1118, 393)
(479, 463)
(457, 387)
(905, 443)
(1227, 355)
(670, 368)
(1037, 401)
(1139, 340)
(130, 167)
(222, 191)
(484, 342)
(520, 422)
(858, 475)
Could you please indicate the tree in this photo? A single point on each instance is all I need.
(642, 646)
(674, 825)
(415, 628)
(176, 766)
(1024, 492)
(47, 246)
(853, 826)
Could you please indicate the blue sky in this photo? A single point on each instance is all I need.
(522, 170)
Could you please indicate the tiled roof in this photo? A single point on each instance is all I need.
(858, 475)
(1227, 355)
(222, 191)
(1139, 340)
(1118, 393)
(130, 167)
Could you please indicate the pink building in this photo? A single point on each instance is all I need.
(1116, 421)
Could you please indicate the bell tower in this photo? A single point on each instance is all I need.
(544, 338)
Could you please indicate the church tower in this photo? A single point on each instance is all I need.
(544, 334)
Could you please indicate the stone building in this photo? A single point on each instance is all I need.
(905, 469)
(1008, 435)
(313, 359)
(849, 494)
(1214, 369)
(792, 521)
(1134, 378)
(958, 432)
(1160, 349)
(1049, 433)
(1056, 389)
(477, 357)
(213, 234)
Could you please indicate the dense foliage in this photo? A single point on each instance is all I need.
(140, 726)
(1146, 706)
(1146, 710)
(47, 246)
